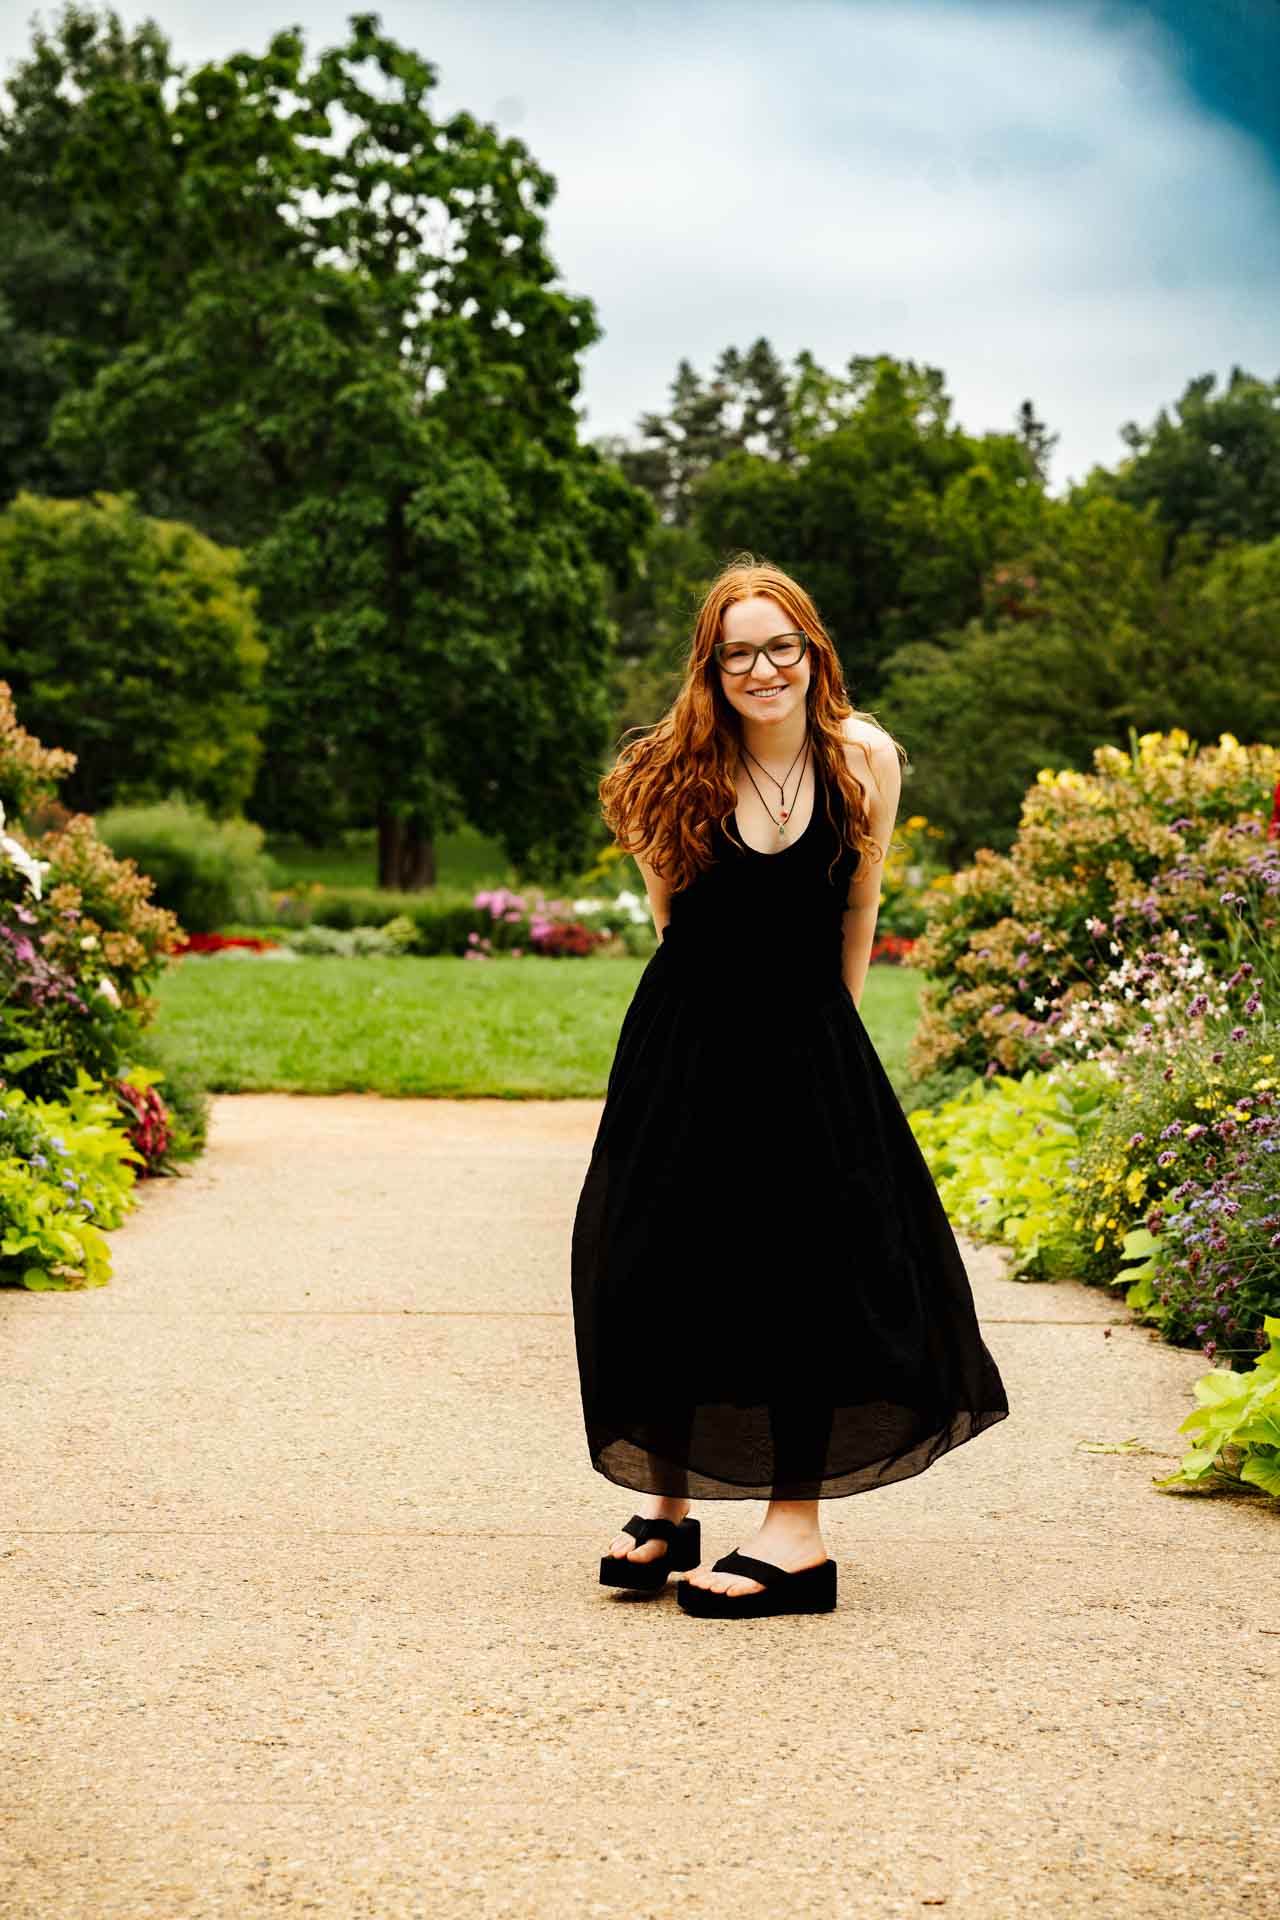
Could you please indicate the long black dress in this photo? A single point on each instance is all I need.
(768, 1298)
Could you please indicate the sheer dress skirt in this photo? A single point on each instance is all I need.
(768, 1298)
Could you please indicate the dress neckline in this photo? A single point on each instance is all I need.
(791, 844)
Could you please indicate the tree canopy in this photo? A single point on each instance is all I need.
(348, 354)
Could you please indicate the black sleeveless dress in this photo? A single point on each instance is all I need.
(768, 1298)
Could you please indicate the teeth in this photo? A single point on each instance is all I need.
(766, 693)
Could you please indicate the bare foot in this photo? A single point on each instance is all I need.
(653, 1506)
(792, 1548)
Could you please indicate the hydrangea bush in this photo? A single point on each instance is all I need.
(80, 1119)
(1161, 841)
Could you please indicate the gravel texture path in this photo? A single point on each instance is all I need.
(300, 1551)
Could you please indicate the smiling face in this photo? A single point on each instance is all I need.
(768, 695)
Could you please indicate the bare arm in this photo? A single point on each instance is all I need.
(659, 892)
(884, 790)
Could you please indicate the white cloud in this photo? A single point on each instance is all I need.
(1027, 197)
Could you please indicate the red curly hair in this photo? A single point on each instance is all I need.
(667, 788)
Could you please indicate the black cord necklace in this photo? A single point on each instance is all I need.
(786, 811)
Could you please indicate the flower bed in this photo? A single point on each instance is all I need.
(219, 943)
(1139, 1147)
(82, 1114)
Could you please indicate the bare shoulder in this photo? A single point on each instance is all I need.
(868, 748)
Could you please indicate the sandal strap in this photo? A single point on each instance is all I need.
(746, 1563)
(642, 1529)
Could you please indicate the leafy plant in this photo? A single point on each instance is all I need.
(1000, 1153)
(73, 1178)
(1238, 1418)
(204, 871)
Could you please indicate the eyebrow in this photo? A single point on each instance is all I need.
(786, 634)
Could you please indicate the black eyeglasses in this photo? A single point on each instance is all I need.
(784, 650)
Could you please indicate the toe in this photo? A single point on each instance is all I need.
(624, 1546)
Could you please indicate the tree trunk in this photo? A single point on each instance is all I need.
(406, 852)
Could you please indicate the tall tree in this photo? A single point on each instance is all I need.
(65, 306)
(354, 363)
(132, 642)
(1105, 638)
(1212, 470)
(893, 519)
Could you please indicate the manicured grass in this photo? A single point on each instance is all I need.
(518, 1029)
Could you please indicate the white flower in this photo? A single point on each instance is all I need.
(25, 862)
(632, 905)
(107, 988)
(90, 940)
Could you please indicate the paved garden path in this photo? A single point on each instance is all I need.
(299, 1559)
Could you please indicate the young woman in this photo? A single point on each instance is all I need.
(769, 1302)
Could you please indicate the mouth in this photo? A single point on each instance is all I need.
(765, 693)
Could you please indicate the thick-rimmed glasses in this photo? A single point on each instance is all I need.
(784, 650)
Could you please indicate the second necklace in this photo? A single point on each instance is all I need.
(786, 811)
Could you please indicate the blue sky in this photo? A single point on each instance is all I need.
(1076, 204)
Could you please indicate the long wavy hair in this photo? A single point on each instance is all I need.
(667, 788)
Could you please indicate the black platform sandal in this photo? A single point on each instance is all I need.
(684, 1550)
(811, 1590)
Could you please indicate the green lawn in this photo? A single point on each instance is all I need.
(519, 1029)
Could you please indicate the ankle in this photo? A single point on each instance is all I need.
(663, 1506)
(790, 1525)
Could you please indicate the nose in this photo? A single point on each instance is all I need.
(765, 671)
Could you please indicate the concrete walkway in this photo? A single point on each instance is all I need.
(299, 1557)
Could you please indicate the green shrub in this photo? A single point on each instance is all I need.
(1239, 1421)
(66, 1172)
(133, 641)
(205, 871)
(396, 937)
(441, 919)
(1001, 1152)
(931, 1089)
(1161, 842)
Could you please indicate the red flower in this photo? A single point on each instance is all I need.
(215, 942)
(148, 1132)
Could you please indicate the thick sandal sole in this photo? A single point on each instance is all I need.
(812, 1590)
(650, 1576)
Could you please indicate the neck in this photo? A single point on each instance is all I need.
(775, 747)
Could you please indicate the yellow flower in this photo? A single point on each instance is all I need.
(1111, 1223)
(1227, 740)
(1098, 1242)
